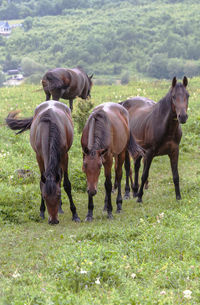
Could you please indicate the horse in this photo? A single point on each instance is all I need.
(67, 84)
(106, 134)
(51, 136)
(156, 128)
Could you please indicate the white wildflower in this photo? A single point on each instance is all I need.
(163, 292)
(133, 275)
(16, 274)
(83, 271)
(97, 281)
(187, 294)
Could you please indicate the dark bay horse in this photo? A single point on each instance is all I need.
(67, 84)
(51, 136)
(156, 128)
(106, 135)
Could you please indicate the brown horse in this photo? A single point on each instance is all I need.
(106, 135)
(156, 128)
(51, 136)
(67, 84)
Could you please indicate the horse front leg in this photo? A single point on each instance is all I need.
(89, 216)
(174, 166)
(42, 208)
(118, 175)
(145, 174)
(67, 188)
(108, 184)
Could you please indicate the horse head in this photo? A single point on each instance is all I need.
(92, 163)
(180, 96)
(51, 193)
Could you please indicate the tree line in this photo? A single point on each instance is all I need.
(157, 39)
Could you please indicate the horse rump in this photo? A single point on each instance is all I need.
(18, 124)
(53, 82)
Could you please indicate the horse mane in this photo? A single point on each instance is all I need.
(99, 131)
(54, 143)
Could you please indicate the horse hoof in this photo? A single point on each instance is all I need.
(135, 195)
(178, 197)
(89, 218)
(127, 196)
(76, 219)
(139, 199)
(118, 211)
(42, 215)
(60, 211)
(110, 216)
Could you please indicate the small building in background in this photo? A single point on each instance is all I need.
(5, 28)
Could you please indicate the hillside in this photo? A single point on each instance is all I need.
(110, 38)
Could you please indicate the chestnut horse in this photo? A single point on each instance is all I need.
(67, 84)
(156, 128)
(106, 135)
(51, 136)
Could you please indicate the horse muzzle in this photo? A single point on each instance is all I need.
(92, 192)
(182, 118)
(53, 221)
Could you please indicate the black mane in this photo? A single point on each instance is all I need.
(101, 131)
(52, 171)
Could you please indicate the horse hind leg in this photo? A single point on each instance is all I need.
(135, 185)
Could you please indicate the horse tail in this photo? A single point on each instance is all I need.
(54, 82)
(134, 149)
(18, 124)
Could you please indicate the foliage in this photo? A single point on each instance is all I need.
(81, 113)
(106, 37)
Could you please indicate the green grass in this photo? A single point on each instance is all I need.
(149, 254)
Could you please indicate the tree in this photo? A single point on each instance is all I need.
(28, 23)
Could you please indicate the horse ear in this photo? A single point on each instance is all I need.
(43, 179)
(174, 82)
(185, 81)
(91, 76)
(85, 150)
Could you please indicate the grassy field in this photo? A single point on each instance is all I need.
(149, 254)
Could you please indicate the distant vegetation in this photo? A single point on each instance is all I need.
(118, 39)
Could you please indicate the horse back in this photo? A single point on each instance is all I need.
(119, 126)
(56, 113)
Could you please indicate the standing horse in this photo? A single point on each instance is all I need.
(51, 136)
(156, 128)
(67, 84)
(106, 135)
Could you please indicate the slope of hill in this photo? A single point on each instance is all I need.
(155, 39)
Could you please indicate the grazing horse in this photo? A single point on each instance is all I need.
(51, 136)
(106, 135)
(156, 128)
(67, 84)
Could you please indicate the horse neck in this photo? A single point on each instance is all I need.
(164, 107)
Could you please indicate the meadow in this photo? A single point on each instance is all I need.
(148, 254)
